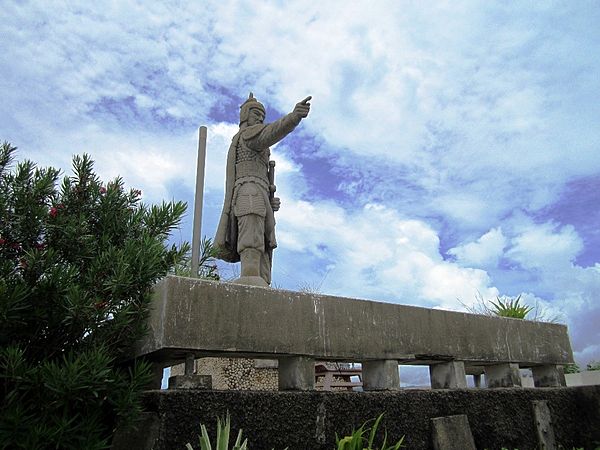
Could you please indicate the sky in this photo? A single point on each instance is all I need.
(452, 151)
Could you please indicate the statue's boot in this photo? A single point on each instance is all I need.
(251, 259)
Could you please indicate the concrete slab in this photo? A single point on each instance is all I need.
(210, 319)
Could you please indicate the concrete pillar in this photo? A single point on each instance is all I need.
(448, 375)
(380, 375)
(561, 375)
(189, 364)
(296, 373)
(503, 375)
(546, 376)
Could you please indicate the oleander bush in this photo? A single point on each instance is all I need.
(77, 264)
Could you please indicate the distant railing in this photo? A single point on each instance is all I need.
(194, 318)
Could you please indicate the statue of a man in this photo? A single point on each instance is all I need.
(246, 229)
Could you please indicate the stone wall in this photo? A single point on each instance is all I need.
(235, 373)
(246, 374)
(309, 420)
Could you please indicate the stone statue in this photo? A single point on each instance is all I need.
(246, 230)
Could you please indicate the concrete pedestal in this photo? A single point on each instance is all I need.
(546, 376)
(503, 375)
(251, 281)
(380, 375)
(448, 375)
(296, 373)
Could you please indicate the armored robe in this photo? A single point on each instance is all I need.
(247, 220)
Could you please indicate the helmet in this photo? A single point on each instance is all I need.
(248, 105)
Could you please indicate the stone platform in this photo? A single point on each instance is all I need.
(203, 318)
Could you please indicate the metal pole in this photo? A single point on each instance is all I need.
(196, 233)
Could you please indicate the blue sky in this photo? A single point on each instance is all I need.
(453, 148)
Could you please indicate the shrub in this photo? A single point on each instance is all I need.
(511, 308)
(77, 265)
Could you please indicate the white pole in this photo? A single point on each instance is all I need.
(197, 228)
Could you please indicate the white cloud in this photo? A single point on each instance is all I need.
(376, 253)
(461, 114)
(546, 246)
(484, 252)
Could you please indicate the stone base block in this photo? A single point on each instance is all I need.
(543, 425)
(380, 375)
(452, 433)
(190, 382)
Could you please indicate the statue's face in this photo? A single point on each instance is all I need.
(255, 116)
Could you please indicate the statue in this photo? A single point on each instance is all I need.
(246, 230)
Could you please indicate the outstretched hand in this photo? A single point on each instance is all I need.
(302, 108)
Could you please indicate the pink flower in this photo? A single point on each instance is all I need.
(53, 212)
(102, 190)
(2, 241)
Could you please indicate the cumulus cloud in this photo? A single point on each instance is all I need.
(375, 253)
(484, 252)
(439, 124)
(546, 246)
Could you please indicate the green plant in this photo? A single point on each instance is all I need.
(572, 368)
(511, 308)
(482, 306)
(593, 365)
(357, 438)
(77, 267)
(222, 442)
(207, 266)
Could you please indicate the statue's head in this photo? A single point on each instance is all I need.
(252, 111)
